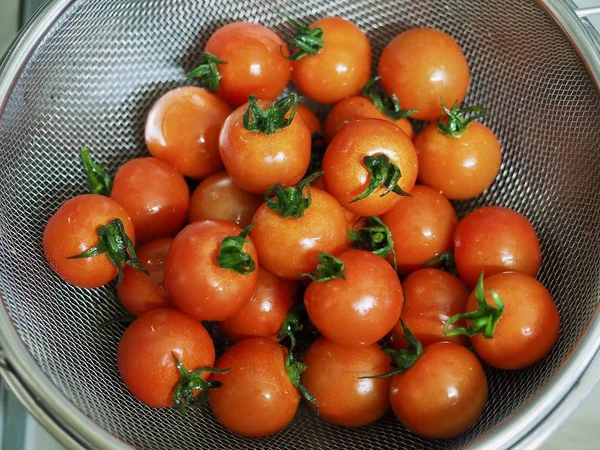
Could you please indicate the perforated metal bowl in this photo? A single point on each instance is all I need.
(85, 73)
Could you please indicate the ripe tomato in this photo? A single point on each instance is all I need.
(257, 397)
(146, 354)
(310, 119)
(182, 129)
(333, 377)
(360, 308)
(431, 297)
(254, 62)
(198, 283)
(264, 314)
(443, 394)
(258, 158)
(74, 228)
(495, 239)
(218, 197)
(140, 292)
(154, 194)
(422, 227)
(424, 67)
(340, 67)
(388, 152)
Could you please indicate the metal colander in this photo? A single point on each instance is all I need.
(86, 72)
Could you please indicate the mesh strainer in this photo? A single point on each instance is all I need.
(85, 73)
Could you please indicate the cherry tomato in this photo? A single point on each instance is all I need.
(424, 67)
(431, 297)
(529, 325)
(256, 160)
(73, 229)
(264, 314)
(182, 129)
(140, 292)
(422, 227)
(257, 398)
(356, 108)
(495, 239)
(146, 354)
(310, 119)
(347, 176)
(197, 283)
(254, 62)
(340, 68)
(443, 394)
(154, 194)
(218, 197)
(361, 308)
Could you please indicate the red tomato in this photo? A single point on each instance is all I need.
(347, 176)
(254, 62)
(140, 292)
(196, 282)
(333, 377)
(360, 309)
(154, 194)
(257, 398)
(493, 240)
(529, 325)
(264, 314)
(310, 119)
(182, 129)
(73, 229)
(443, 394)
(146, 350)
(218, 197)
(256, 160)
(424, 67)
(340, 68)
(422, 227)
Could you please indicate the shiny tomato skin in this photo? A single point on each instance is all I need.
(346, 176)
(140, 292)
(310, 119)
(361, 309)
(155, 195)
(431, 297)
(264, 314)
(218, 197)
(72, 229)
(494, 239)
(182, 129)
(145, 354)
(528, 328)
(424, 67)
(256, 161)
(255, 59)
(459, 167)
(333, 376)
(257, 398)
(356, 108)
(422, 227)
(443, 394)
(196, 283)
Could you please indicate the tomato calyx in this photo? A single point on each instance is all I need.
(373, 236)
(306, 41)
(192, 382)
(290, 201)
(98, 180)
(232, 255)
(483, 320)
(388, 105)
(454, 121)
(445, 261)
(328, 268)
(269, 120)
(208, 71)
(119, 249)
(382, 172)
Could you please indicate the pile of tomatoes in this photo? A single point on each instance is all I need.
(298, 232)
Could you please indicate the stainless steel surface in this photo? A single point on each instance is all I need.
(86, 72)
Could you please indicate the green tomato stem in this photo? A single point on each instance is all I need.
(272, 119)
(232, 255)
(208, 71)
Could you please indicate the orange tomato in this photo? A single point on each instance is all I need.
(310, 119)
